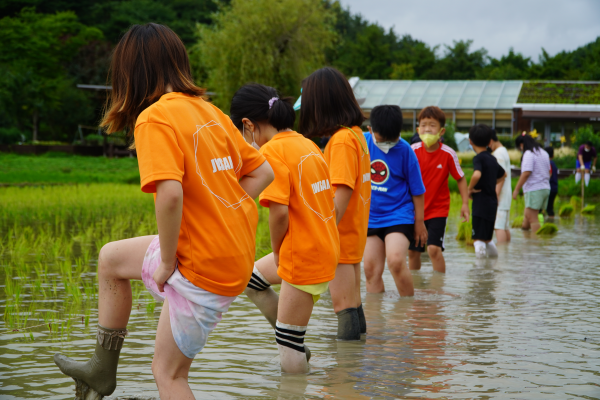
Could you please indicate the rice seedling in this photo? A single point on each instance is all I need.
(589, 210)
(517, 222)
(547, 229)
(575, 202)
(566, 210)
(465, 232)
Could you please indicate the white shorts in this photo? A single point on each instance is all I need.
(194, 312)
(502, 220)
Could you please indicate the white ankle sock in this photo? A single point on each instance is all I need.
(492, 251)
(480, 250)
(587, 179)
(577, 177)
(292, 354)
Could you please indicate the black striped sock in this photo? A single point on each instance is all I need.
(290, 336)
(258, 283)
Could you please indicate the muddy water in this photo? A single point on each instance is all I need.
(525, 326)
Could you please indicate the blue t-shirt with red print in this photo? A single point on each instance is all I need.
(395, 178)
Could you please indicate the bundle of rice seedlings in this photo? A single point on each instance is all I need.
(576, 201)
(566, 210)
(517, 222)
(547, 229)
(589, 210)
(465, 233)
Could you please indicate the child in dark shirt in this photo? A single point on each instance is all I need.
(482, 189)
(553, 182)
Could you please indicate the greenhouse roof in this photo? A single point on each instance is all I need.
(471, 95)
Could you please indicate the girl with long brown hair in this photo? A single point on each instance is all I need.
(204, 177)
(330, 108)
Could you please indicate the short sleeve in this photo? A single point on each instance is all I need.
(477, 164)
(251, 158)
(581, 150)
(343, 165)
(528, 161)
(501, 172)
(454, 165)
(279, 190)
(159, 155)
(415, 179)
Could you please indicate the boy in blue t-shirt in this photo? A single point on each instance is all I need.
(397, 202)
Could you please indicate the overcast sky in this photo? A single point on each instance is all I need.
(525, 25)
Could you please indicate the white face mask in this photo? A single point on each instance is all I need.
(253, 144)
(385, 146)
(586, 149)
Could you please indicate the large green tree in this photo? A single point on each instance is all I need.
(276, 43)
(36, 49)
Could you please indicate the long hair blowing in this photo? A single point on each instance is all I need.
(147, 59)
(327, 103)
(528, 142)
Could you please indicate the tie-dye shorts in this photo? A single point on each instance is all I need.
(194, 311)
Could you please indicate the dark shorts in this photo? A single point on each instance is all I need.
(436, 231)
(407, 230)
(483, 229)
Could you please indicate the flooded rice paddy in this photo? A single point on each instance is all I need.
(525, 326)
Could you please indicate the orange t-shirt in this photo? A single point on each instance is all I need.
(350, 165)
(186, 139)
(311, 247)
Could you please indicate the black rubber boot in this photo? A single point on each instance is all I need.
(362, 320)
(348, 324)
(100, 372)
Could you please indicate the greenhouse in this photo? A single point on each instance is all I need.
(553, 108)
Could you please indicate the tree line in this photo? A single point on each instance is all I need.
(49, 46)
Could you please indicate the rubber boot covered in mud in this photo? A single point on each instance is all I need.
(97, 377)
(348, 324)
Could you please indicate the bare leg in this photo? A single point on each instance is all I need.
(343, 288)
(414, 260)
(396, 249)
(119, 262)
(357, 278)
(169, 366)
(502, 235)
(374, 264)
(437, 258)
(267, 267)
(531, 218)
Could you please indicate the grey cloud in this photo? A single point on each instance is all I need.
(525, 25)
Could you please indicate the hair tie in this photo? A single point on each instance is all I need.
(273, 100)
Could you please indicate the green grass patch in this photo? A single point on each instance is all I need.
(566, 210)
(517, 222)
(589, 210)
(60, 168)
(547, 229)
(465, 232)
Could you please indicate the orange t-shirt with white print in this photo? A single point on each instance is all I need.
(349, 164)
(310, 250)
(186, 139)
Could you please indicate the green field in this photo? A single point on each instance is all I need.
(59, 168)
(56, 168)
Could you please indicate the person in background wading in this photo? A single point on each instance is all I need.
(553, 183)
(330, 108)
(534, 179)
(204, 176)
(503, 190)
(304, 235)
